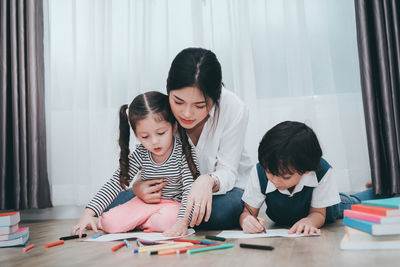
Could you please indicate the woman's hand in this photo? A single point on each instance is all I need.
(149, 191)
(178, 229)
(200, 199)
(87, 221)
(304, 226)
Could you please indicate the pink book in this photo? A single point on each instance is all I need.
(371, 217)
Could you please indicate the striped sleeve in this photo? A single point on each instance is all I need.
(112, 188)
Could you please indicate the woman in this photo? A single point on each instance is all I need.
(215, 121)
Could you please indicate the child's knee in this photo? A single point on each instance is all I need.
(111, 224)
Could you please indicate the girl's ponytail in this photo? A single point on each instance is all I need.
(187, 150)
(124, 132)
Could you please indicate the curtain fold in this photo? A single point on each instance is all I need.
(23, 164)
(378, 32)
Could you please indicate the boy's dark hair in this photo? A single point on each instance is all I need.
(143, 105)
(289, 147)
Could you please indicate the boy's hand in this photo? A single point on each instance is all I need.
(178, 229)
(304, 226)
(252, 225)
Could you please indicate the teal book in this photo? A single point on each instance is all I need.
(393, 202)
(372, 227)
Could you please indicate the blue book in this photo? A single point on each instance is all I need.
(372, 227)
(393, 202)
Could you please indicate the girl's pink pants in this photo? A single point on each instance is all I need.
(137, 214)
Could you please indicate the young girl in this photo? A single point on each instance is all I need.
(295, 182)
(160, 154)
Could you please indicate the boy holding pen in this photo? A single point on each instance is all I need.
(295, 182)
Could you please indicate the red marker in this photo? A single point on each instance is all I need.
(187, 240)
(48, 245)
(25, 249)
(120, 245)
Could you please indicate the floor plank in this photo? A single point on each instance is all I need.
(307, 251)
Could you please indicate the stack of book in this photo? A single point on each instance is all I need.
(373, 224)
(10, 233)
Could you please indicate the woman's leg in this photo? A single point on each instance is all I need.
(336, 211)
(122, 198)
(127, 216)
(164, 218)
(226, 210)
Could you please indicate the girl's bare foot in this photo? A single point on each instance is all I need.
(368, 185)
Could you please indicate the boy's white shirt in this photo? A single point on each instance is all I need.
(325, 192)
(220, 148)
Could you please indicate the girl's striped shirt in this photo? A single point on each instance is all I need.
(173, 170)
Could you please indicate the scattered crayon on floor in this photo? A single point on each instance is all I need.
(52, 244)
(25, 249)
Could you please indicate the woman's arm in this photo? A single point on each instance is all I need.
(231, 148)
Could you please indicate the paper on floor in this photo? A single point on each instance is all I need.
(141, 235)
(270, 233)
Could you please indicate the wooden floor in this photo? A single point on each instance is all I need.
(308, 251)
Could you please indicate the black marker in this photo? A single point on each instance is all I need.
(212, 237)
(256, 246)
(71, 237)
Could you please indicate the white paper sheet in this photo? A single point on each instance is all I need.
(270, 233)
(141, 235)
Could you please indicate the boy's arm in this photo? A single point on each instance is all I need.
(249, 222)
(310, 224)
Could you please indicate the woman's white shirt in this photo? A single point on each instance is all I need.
(220, 148)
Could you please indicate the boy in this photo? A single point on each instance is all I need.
(295, 182)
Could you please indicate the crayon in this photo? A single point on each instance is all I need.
(48, 245)
(212, 237)
(71, 237)
(149, 243)
(187, 240)
(120, 245)
(180, 250)
(151, 247)
(147, 231)
(25, 249)
(170, 246)
(242, 245)
(127, 243)
(206, 242)
(96, 235)
(222, 246)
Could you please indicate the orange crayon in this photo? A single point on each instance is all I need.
(25, 249)
(120, 245)
(48, 245)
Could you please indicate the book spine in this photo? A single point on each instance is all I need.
(362, 216)
(358, 224)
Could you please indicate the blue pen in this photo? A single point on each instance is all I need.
(127, 243)
(206, 242)
(96, 235)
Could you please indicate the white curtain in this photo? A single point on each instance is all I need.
(288, 60)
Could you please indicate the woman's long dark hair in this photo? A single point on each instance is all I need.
(200, 68)
(141, 107)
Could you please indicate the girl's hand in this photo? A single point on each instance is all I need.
(304, 226)
(149, 191)
(87, 221)
(200, 200)
(178, 229)
(252, 225)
